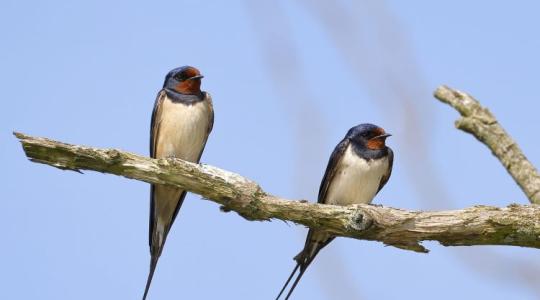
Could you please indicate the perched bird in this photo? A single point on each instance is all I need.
(358, 168)
(182, 119)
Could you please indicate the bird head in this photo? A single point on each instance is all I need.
(184, 80)
(368, 136)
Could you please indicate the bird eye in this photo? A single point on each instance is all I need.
(179, 77)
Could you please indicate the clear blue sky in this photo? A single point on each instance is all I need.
(288, 80)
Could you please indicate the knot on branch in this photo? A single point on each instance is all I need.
(360, 220)
(115, 156)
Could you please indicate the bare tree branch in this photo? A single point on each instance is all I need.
(481, 123)
(479, 225)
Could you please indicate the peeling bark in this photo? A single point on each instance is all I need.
(515, 225)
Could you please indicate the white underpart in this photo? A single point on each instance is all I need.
(357, 180)
(184, 128)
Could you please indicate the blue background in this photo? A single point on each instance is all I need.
(288, 79)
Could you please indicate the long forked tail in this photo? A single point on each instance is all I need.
(302, 262)
(161, 220)
(288, 280)
(315, 241)
(299, 265)
(153, 264)
(302, 270)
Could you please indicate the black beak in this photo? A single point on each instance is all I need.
(195, 77)
(382, 136)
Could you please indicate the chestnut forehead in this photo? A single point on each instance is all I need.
(190, 72)
(378, 131)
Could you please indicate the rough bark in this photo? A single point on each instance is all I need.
(514, 225)
(481, 123)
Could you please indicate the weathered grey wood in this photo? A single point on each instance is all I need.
(479, 225)
(481, 123)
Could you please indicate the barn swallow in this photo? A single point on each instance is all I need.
(358, 168)
(182, 119)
